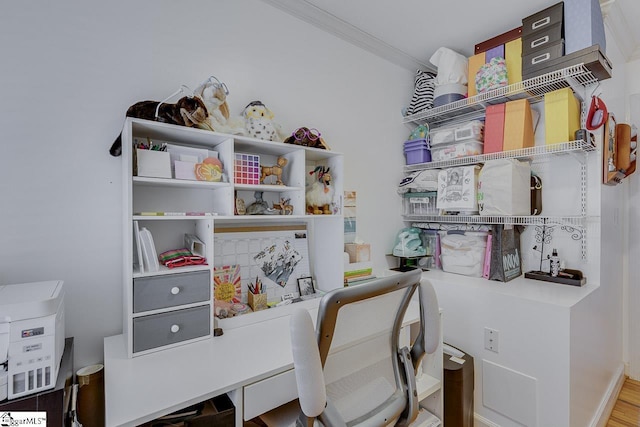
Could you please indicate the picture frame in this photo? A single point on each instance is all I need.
(305, 286)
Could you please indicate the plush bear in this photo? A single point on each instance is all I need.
(214, 93)
(259, 122)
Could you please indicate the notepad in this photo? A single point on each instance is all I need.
(138, 261)
(149, 254)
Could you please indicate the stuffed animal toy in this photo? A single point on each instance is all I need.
(214, 95)
(259, 122)
(307, 138)
(320, 193)
(189, 111)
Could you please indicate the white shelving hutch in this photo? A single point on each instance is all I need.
(179, 312)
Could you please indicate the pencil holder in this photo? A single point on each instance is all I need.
(151, 163)
(257, 301)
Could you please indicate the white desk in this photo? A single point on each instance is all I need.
(141, 389)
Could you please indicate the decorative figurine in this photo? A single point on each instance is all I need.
(275, 170)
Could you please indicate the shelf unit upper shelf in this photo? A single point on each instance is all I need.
(576, 221)
(531, 153)
(533, 89)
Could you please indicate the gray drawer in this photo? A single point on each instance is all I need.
(541, 40)
(171, 290)
(162, 329)
(543, 19)
(539, 59)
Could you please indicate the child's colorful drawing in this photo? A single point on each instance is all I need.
(226, 284)
(278, 261)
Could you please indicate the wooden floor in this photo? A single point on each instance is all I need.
(626, 412)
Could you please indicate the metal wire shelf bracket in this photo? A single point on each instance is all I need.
(577, 76)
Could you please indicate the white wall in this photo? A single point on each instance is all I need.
(69, 70)
(633, 292)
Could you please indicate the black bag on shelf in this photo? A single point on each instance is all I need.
(506, 262)
(422, 98)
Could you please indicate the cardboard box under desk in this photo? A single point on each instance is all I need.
(217, 411)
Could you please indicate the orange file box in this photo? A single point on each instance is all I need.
(561, 116)
(518, 125)
(494, 128)
(475, 62)
(513, 58)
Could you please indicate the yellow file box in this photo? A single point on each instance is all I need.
(561, 115)
(518, 125)
(513, 58)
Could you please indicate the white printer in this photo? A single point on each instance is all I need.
(31, 337)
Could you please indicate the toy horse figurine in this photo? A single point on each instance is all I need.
(275, 170)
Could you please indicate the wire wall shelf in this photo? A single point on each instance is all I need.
(531, 153)
(423, 221)
(532, 89)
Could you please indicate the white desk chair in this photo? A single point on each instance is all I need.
(352, 371)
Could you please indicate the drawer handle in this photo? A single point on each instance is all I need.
(541, 58)
(540, 41)
(175, 328)
(175, 290)
(540, 23)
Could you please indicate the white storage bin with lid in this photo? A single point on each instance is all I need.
(462, 252)
(454, 150)
(472, 130)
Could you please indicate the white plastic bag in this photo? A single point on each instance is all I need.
(452, 67)
(504, 188)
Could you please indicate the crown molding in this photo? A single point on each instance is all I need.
(614, 20)
(325, 21)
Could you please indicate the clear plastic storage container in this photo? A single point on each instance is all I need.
(462, 252)
(472, 130)
(420, 203)
(454, 150)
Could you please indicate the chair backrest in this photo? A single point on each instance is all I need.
(354, 371)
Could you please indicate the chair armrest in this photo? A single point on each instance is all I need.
(306, 361)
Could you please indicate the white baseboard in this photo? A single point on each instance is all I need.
(480, 421)
(603, 413)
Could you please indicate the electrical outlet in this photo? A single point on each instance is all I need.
(491, 339)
